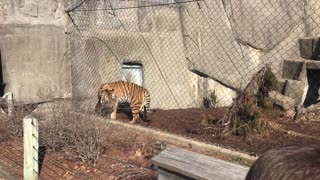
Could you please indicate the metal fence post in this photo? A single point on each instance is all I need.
(30, 148)
(9, 97)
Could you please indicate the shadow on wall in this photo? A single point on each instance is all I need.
(314, 87)
(2, 84)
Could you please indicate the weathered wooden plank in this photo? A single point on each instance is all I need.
(165, 174)
(198, 166)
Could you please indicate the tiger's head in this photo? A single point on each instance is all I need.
(106, 96)
(106, 100)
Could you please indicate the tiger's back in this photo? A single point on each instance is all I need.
(132, 93)
(137, 96)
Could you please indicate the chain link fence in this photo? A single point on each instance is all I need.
(191, 53)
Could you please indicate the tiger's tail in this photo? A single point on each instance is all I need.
(146, 106)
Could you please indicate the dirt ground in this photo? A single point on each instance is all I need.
(128, 156)
(191, 123)
(123, 160)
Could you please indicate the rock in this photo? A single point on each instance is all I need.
(311, 113)
(158, 146)
(294, 69)
(297, 90)
(310, 48)
(285, 102)
(313, 108)
(289, 114)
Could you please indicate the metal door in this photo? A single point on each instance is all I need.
(132, 73)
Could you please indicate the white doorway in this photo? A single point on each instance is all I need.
(132, 73)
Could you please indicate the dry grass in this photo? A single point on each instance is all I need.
(12, 126)
(83, 136)
(79, 137)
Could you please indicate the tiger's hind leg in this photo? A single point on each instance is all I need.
(144, 114)
(135, 113)
(135, 118)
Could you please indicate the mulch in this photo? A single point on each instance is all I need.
(193, 123)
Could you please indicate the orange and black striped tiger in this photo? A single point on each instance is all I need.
(111, 94)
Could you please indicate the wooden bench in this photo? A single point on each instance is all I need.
(179, 164)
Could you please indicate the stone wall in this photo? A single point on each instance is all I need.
(33, 49)
(50, 12)
(34, 64)
(187, 50)
(238, 37)
(151, 40)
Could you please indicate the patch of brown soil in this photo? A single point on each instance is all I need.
(120, 161)
(192, 123)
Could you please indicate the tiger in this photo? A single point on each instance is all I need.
(111, 94)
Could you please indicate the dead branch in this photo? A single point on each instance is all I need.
(246, 97)
(276, 127)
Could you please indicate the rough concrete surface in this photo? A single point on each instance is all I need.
(226, 41)
(34, 64)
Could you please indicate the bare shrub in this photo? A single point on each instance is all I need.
(242, 117)
(16, 121)
(249, 121)
(16, 126)
(4, 128)
(87, 139)
(12, 126)
(126, 171)
(77, 136)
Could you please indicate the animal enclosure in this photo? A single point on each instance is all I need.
(193, 54)
(203, 63)
(242, 75)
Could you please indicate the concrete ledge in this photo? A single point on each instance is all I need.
(165, 136)
(310, 64)
(179, 140)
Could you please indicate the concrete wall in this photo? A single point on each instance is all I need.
(33, 47)
(34, 64)
(223, 42)
(150, 36)
(45, 12)
(158, 47)
(230, 40)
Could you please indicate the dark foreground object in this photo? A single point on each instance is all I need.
(291, 162)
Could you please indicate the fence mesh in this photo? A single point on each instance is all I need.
(188, 51)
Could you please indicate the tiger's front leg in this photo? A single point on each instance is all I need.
(114, 112)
